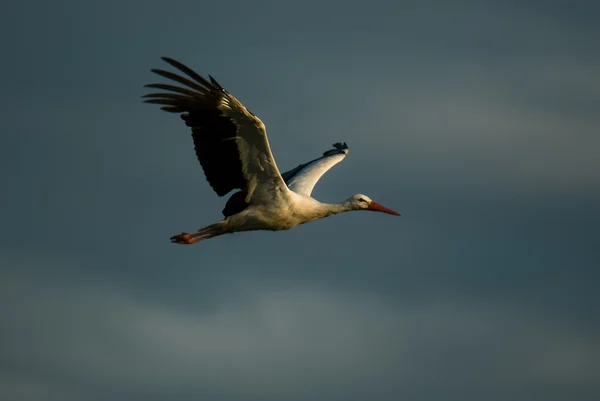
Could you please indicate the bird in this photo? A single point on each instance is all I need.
(232, 147)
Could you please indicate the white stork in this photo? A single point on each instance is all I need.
(232, 147)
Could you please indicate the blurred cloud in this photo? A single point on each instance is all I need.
(278, 340)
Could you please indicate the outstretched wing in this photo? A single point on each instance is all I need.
(303, 178)
(230, 142)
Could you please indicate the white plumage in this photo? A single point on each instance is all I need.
(232, 147)
(304, 181)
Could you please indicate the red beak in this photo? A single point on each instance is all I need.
(376, 207)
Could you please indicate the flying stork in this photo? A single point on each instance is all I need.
(232, 147)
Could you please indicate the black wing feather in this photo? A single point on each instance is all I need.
(213, 133)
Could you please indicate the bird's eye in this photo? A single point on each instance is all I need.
(362, 200)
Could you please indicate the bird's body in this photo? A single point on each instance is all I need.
(284, 211)
(232, 147)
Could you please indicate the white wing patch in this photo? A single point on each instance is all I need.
(258, 165)
(305, 180)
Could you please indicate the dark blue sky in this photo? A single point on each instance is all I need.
(478, 121)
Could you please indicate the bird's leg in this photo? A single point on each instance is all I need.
(204, 233)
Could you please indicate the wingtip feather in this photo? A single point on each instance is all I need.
(215, 83)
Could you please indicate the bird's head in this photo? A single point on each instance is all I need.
(363, 202)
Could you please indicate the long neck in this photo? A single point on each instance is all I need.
(311, 209)
(330, 209)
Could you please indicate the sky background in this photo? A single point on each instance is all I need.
(478, 121)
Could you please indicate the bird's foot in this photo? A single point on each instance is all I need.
(185, 239)
(202, 234)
